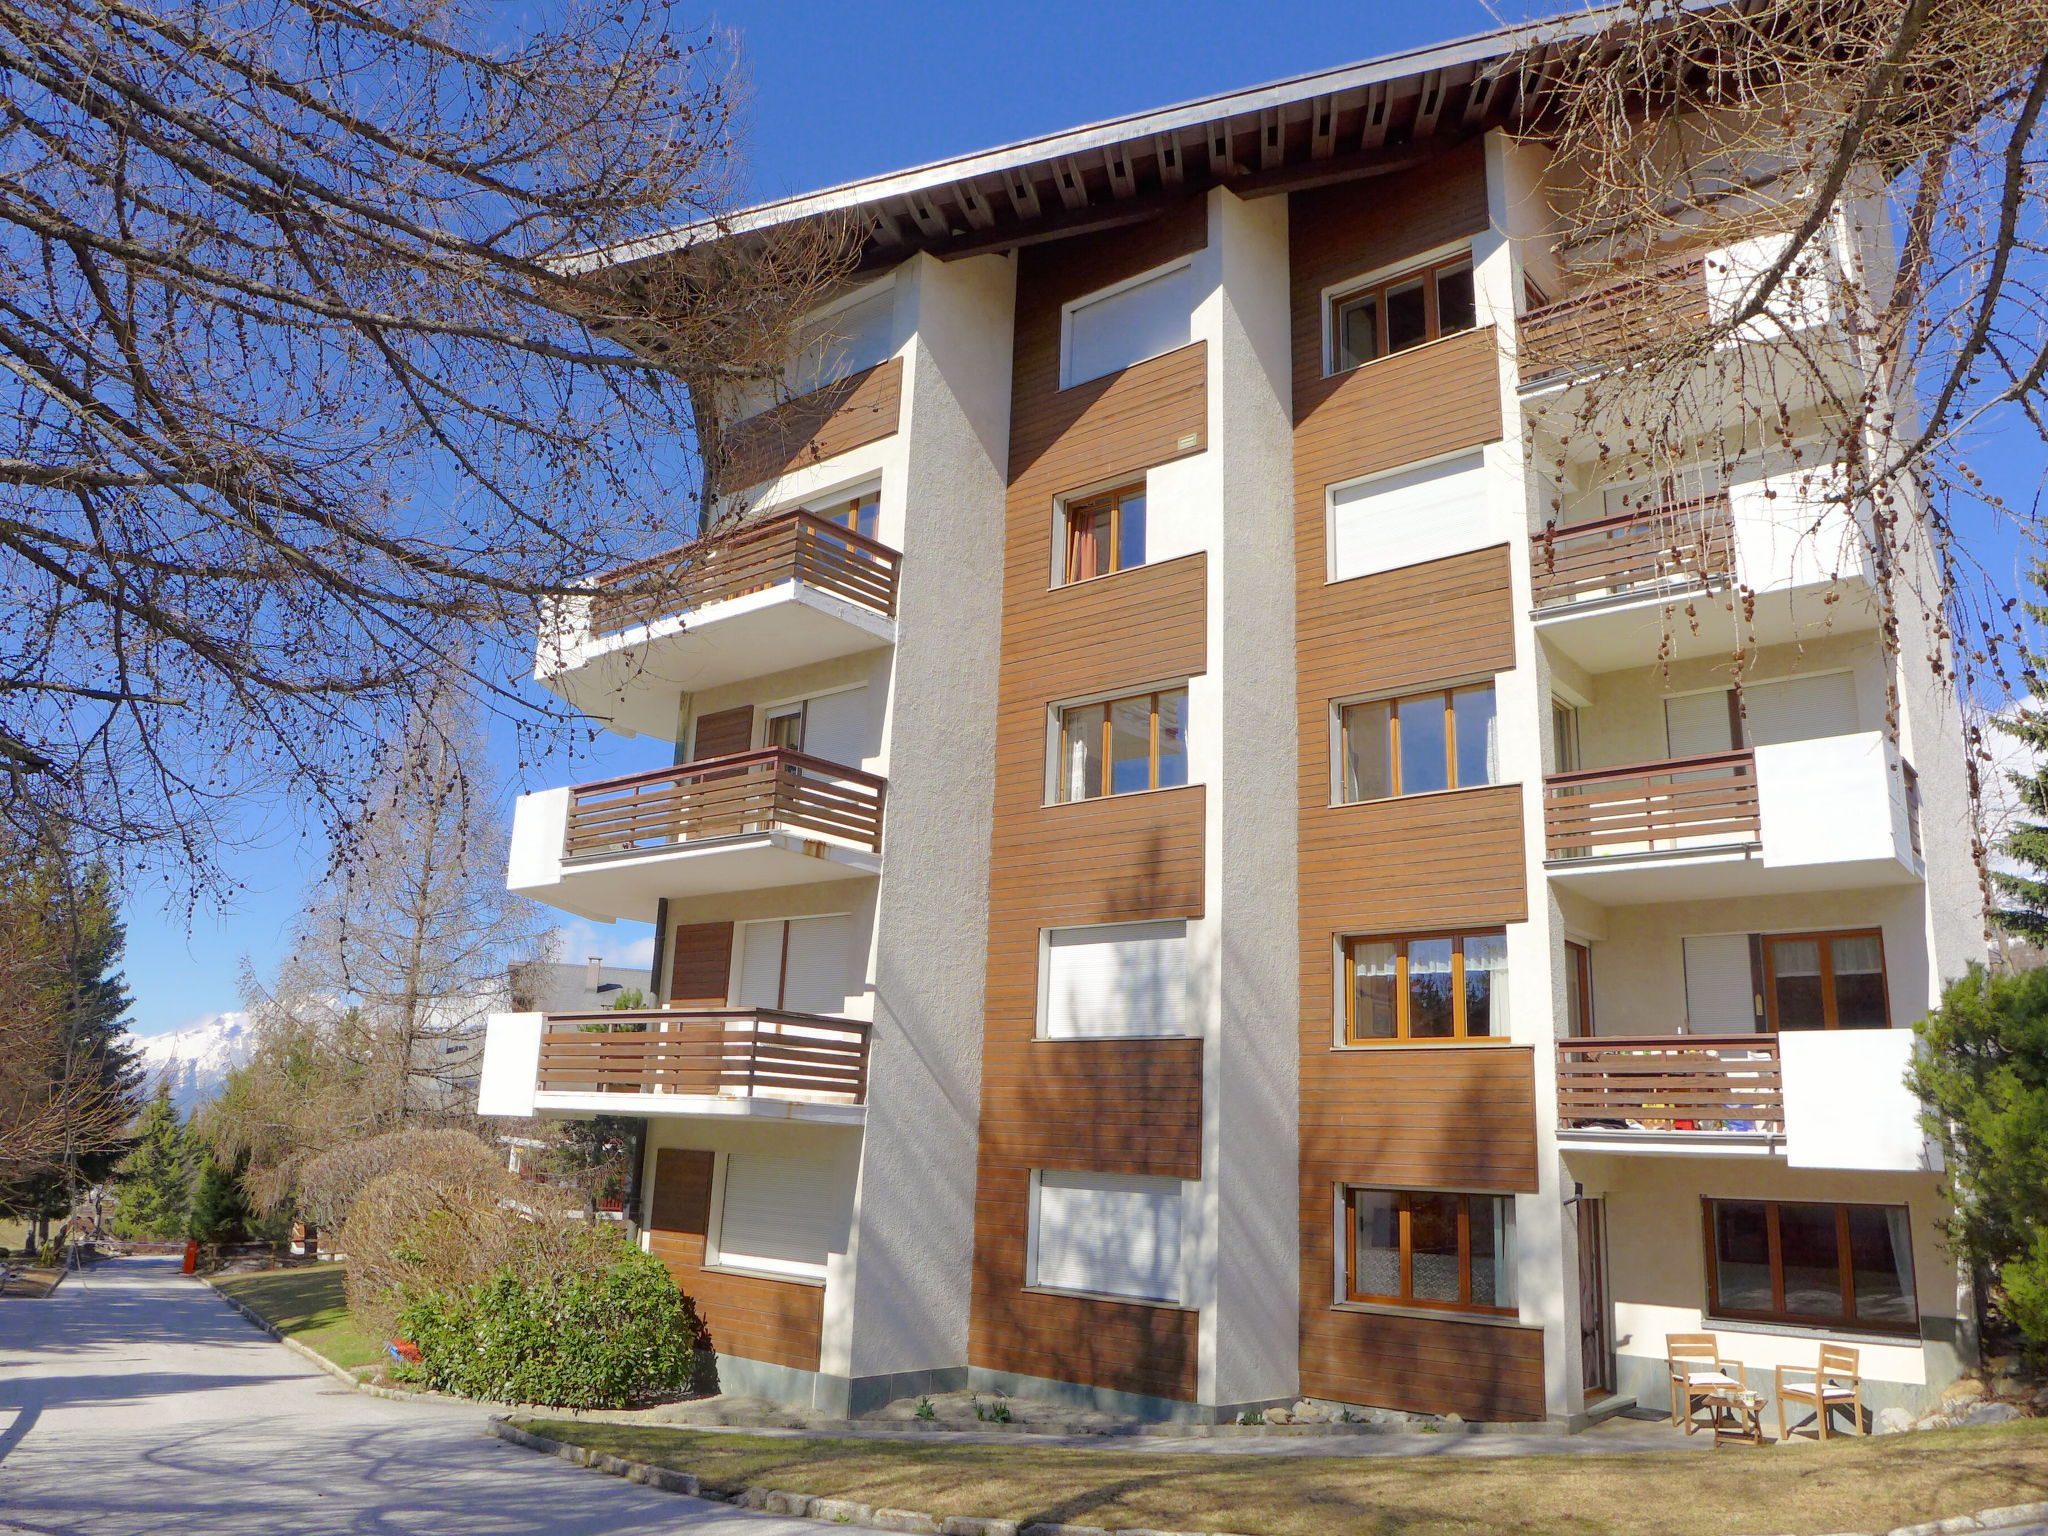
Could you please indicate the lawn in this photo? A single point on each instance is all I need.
(1846, 1485)
(307, 1305)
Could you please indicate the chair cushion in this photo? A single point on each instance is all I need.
(1711, 1379)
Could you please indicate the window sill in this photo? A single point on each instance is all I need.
(1433, 1314)
(1129, 794)
(1473, 1042)
(1427, 794)
(1107, 1039)
(1122, 1301)
(1821, 1332)
(763, 1274)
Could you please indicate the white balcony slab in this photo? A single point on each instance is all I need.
(607, 887)
(1847, 1104)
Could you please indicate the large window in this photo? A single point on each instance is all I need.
(1116, 979)
(1825, 981)
(1447, 739)
(1110, 1234)
(1413, 515)
(782, 1215)
(1105, 533)
(1786, 1262)
(855, 513)
(1402, 312)
(1123, 745)
(1108, 331)
(1411, 1248)
(1426, 987)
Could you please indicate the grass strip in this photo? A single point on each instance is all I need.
(308, 1305)
(1860, 1484)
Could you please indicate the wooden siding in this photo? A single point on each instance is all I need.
(1463, 1117)
(722, 734)
(861, 408)
(1126, 1106)
(778, 1321)
(701, 974)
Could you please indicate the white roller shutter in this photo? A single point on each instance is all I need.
(1141, 320)
(836, 726)
(1409, 517)
(1109, 1233)
(782, 1214)
(1698, 724)
(1800, 709)
(760, 973)
(1719, 990)
(820, 971)
(1117, 979)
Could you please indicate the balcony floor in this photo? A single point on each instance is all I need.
(1709, 874)
(693, 1106)
(607, 887)
(1674, 1143)
(1610, 634)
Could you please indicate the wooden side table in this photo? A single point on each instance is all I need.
(1736, 1415)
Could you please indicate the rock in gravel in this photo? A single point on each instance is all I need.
(1967, 1390)
(1892, 1421)
(1989, 1413)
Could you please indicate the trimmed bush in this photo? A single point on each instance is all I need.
(612, 1337)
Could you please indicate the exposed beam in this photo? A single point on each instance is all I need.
(1059, 226)
(1382, 161)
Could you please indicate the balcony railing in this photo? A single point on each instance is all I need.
(729, 1053)
(1614, 321)
(1673, 1083)
(794, 546)
(760, 791)
(1661, 807)
(1689, 544)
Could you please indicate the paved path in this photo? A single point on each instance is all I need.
(136, 1401)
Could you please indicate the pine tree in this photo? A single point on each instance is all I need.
(2023, 909)
(155, 1180)
(220, 1211)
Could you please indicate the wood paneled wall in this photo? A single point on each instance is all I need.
(1458, 1117)
(1125, 1106)
(861, 408)
(700, 976)
(755, 1318)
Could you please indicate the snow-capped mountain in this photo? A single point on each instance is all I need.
(195, 1059)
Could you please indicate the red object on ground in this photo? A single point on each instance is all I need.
(404, 1349)
(191, 1266)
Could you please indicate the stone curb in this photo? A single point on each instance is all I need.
(780, 1501)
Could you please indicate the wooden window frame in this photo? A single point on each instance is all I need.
(1377, 289)
(830, 511)
(1830, 1006)
(1578, 958)
(1407, 1298)
(1401, 1037)
(1393, 702)
(1848, 1321)
(1116, 496)
(1062, 736)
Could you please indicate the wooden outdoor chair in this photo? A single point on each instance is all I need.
(1698, 1376)
(1837, 1383)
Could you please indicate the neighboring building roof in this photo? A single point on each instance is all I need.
(1334, 124)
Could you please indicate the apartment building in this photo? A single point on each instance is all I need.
(1214, 853)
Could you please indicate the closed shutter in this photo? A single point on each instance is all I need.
(723, 733)
(1118, 979)
(782, 1214)
(1699, 724)
(1720, 991)
(701, 976)
(1143, 320)
(760, 978)
(1115, 1234)
(1800, 708)
(818, 970)
(681, 1198)
(1407, 518)
(836, 726)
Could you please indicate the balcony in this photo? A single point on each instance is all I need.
(750, 821)
(1831, 813)
(1817, 1098)
(784, 592)
(1605, 590)
(701, 1063)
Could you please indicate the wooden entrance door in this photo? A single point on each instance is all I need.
(1596, 1309)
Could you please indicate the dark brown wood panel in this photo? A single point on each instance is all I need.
(1105, 1106)
(1410, 627)
(701, 976)
(1123, 858)
(1422, 861)
(1122, 1346)
(1422, 1364)
(1415, 405)
(778, 1321)
(1460, 1117)
(723, 734)
(861, 408)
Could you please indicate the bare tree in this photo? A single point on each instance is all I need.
(307, 394)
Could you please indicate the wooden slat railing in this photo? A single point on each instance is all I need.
(793, 546)
(1670, 1083)
(1615, 320)
(734, 1052)
(1689, 543)
(1673, 804)
(723, 796)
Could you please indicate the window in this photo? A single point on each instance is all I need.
(783, 1215)
(848, 339)
(1410, 1248)
(1446, 986)
(1116, 979)
(784, 727)
(1122, 745)
(857, 514)
(1404, 312)
(1564, 736)
(1105, 533)
(799, 965)
(1112, 1234)
(1419, 744)
(1413, 515)
(1108, 331)
(833, 726)
(1825, 981)
(1776, 1261)
(1578, 989)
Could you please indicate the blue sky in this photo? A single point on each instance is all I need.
(838, 91)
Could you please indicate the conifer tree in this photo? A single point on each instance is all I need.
(220, 1211)
(155, 1180)
(2022, 909)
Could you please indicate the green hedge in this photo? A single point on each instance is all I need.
(612, 1339)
